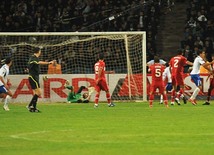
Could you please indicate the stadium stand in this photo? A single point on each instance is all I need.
(109, 15)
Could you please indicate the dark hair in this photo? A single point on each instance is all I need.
(101, 56)
(156, 59)
(199, 52)
(8, 60)
(36, 50)
(180, 52)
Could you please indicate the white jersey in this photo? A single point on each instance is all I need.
(167, 74)
(4, 72)
(196, 65)
(161, 61)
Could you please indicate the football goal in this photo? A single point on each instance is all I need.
(76, 54)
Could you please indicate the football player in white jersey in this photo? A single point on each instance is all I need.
(195, 77)
(4, 88)
(167, 75)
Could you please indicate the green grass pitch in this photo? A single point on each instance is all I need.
(126, 129)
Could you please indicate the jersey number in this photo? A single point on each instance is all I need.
(157, 72)
(175, 63)
(96, 68)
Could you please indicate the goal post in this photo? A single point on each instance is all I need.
(76, 53)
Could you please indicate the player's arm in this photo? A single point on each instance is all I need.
(149, 70)
(109, 72)
(88, 98)
(206, 65)
(90, 91)
(189, 63)
(45, 62)
(150, 63)
(162, 62)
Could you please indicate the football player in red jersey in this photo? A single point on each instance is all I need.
(177, 64)
(157, 81)
(100, 81)
(211, 86)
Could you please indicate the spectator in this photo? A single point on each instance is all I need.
(54, 68)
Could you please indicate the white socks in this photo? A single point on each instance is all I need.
(7, 99)
(195, 93)
(161, 98)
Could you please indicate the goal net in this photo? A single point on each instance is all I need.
(75, 54)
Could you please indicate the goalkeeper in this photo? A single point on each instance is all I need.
(78, 97)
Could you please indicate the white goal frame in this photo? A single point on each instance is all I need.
(144, 84)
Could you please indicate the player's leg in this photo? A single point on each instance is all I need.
(80, 89)
(177, 94)
(163, 92)
(196, 79)
(151, 95)
(180, 90)
(7, 99)
(173, 96)
(6, 95)
(165, 99)
(35, 99)
(34, 83)
(209, 92)
(108, 95)
(161, 99)
(182, 94)
(179, 83)
(174, 87)
(2, 95)
(151, 98)
(97, 95)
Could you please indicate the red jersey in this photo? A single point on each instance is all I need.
(177, 64)
(100, 65)
(157, 72)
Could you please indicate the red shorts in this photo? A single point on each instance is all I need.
(157, 85)
(173, 81)
(102, 85)
(179, 79)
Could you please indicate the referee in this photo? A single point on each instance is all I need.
(34, 71)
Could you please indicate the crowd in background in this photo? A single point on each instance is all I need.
(199, 28)
(81, 15)
(109, 15)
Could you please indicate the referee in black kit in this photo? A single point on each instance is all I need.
(34, 71)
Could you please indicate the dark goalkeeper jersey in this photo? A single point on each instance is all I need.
(33, 66)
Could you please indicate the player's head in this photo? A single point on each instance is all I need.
(85, 95)
(167, 64)
(8, 61)
(201, 53)
(156, 59)
(37, 50)
(180, 52)
(101, 56)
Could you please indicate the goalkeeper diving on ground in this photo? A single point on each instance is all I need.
(78, 97)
